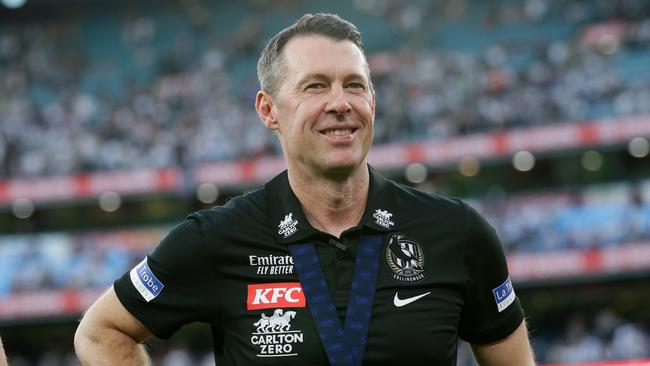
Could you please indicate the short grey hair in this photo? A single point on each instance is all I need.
(270, 66)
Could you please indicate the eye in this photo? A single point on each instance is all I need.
(357, 86)
(315, 86)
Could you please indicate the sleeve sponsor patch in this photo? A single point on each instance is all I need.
(145, 281)
(504, 295)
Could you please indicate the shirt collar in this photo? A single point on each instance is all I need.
(290, 225)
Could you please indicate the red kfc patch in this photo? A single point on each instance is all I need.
(275, 295)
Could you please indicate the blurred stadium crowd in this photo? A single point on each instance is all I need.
(597, 217)
(148, 89)
(102, 89)
(603, 336)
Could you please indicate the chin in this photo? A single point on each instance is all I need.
(341, 169)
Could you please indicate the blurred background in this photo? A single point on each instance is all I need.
(118, 118)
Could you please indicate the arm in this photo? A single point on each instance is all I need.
(3, 358)
(109, 335)
(514, 350)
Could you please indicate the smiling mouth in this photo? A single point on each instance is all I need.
(337, 132)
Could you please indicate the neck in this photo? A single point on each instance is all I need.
(332, 204)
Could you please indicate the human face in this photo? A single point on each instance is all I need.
(324, 110)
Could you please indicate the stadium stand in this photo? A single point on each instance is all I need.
(597, 218)
(162, 92)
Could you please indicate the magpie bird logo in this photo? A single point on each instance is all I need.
(405, 258)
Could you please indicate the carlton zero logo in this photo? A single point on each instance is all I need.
(288, 226)
(383, 218)
(275, 295)
(273, 334)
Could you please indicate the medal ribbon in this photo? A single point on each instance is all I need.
(344, 346)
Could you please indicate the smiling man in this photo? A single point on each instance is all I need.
(323, 112)
(329, 263)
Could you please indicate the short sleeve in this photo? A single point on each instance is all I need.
(172, 286)
(492, 310)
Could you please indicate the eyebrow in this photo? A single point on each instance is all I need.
(324, 77)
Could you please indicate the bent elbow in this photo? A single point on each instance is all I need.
(81, 341)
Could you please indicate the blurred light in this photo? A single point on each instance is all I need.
(535, 9)
(592, 160)
(22, 208)
(469, 166)
(523, 161)
(558, 52)
(639, 147)
(416, 173)
(207, 192)
(13, 4)
(110, 201)
(608, 44)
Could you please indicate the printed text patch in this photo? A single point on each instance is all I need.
(145, 281)
(504, 295)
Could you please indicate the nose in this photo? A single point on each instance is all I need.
(338, 101)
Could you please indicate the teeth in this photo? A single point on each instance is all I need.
(339, 132)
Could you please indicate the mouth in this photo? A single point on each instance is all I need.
(339, 132)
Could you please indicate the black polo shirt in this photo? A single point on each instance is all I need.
(442, 276)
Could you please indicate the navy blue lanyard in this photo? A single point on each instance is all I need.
(344, 346)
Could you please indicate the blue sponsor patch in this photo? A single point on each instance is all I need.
(145, 281)
(504, 295)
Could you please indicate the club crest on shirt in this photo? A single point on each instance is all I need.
(273, 335)
(383, 218)
(405, 258)
(288, 226)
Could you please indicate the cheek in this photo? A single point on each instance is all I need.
(364, 102)
(307, 114)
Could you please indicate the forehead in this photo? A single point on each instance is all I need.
(316, 54)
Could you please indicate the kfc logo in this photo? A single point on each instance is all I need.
(275, 295)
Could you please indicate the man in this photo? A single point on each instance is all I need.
(329, 263)
(3, 358)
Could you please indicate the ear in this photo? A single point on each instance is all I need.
(264, 106)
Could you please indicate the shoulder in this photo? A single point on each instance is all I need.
(419, 203)
(243, 214)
